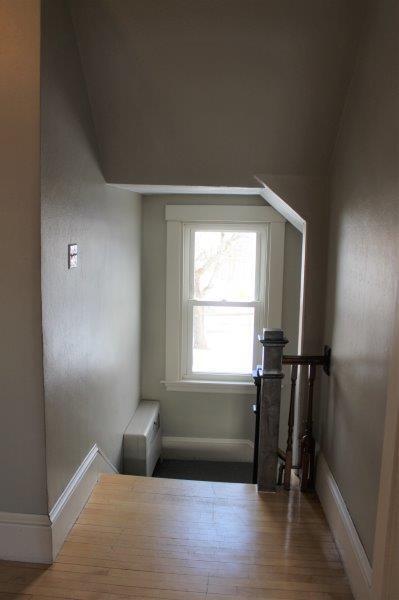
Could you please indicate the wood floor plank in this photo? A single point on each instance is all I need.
(275, 558)
(220, 569)
(153, 539)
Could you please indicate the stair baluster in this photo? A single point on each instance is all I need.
(268, 382)
(291, 417)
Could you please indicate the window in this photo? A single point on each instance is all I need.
(224, 284)
(223, 297)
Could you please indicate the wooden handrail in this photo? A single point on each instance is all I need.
(310, 359)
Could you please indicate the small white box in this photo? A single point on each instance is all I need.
(142, 440)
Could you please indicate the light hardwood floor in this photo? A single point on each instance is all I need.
(146, 538)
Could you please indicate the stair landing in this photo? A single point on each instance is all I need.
(147, 538)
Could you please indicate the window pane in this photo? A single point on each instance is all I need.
(224, 265)
(223, 339)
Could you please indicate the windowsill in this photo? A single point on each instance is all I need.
(214, 387)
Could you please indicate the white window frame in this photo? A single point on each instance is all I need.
(188, 301)
(182, 222)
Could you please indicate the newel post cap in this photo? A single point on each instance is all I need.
(272, 337)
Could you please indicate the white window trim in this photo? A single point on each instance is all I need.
(179, 216)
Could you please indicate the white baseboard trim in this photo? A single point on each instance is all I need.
(353, 555)
(190, 448)
(25, 538)
(38, 538)
(72, 500)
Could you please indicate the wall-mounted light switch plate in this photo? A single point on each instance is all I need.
(72, 256)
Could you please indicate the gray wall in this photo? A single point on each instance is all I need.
(363, 270)
(22, 444)
(91, 314)
(197, 414)
(212, 93)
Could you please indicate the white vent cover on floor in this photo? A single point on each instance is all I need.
(142, 440)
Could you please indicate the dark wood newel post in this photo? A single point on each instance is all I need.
(273, 342)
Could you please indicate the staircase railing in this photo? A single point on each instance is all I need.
(268, 378)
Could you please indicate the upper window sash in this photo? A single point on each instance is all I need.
(189, 230)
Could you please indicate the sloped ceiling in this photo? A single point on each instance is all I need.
(211, 92)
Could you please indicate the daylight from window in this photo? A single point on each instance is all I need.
(224, 287)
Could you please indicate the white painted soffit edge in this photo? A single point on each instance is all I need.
(189, 189)
(264, 191)
(279, 204)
